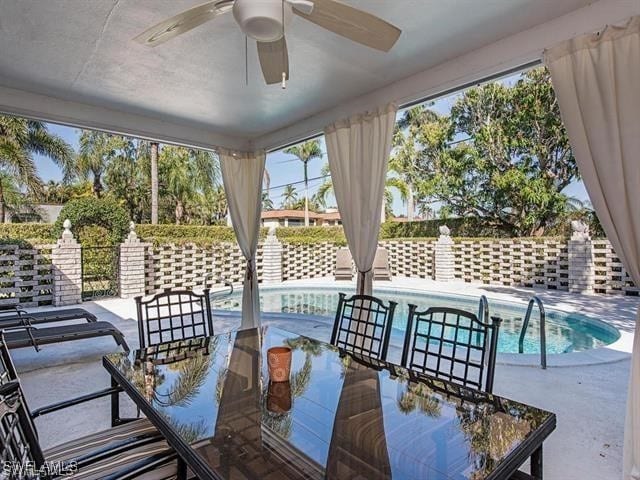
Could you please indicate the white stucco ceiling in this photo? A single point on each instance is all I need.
(82, 50)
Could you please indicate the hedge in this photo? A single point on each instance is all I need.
(186, 232)
(307, 235)
(94, 212)
(33, 232)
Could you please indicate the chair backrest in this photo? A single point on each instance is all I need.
(452, 344)
(363, 325)
(173, 315)
(381, 269)
(344, 261)
(20, 451)
(7, 370)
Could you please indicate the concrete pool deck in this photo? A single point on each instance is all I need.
(589, 398)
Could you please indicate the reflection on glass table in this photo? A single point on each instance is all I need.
(338, 416)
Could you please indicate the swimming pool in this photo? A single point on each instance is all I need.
(566, 332)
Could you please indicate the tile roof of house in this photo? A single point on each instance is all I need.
(281, 214)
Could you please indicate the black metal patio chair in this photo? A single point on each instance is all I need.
(363, 325)
(173, 315)
(131, 450)
(452, 344)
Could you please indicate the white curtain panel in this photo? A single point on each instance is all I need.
(358, 150)
(597, 81)
(242, 177)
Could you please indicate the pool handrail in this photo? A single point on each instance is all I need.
(535, 300)
(218, 279)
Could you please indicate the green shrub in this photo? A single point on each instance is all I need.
(33, 232)
(460, 227)
(182, 234)
(311, 235)
(186, 232)
(94, 212)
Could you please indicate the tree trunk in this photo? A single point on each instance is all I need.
(2, 205)
(383, 210)
(154, 183)
(306, 196)
(179, 212)
(410, 203)
(97, 186)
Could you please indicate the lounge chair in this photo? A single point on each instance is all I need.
(19, 330)
(12, 315)
(381, 269)
(133, 449)
(344, 270)
(30, 336)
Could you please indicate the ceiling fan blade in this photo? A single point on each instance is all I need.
(354, 24)
(274, 59)
(183, 22)
(305, 6)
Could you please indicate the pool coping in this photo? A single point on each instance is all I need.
(615, 352)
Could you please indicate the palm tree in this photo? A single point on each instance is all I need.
(187, 175)
(326, 188)
(305, 152)
(97, 151)
(289, 196)
(403, 159)
(20, 139)
(267, 203)
(154, 183)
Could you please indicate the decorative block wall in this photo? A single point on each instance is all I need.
(308, 260)
(26, 275)
(411, 258)
(610, 276)
(186, 266)
(513, 262)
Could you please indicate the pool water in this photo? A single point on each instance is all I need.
(566, 332)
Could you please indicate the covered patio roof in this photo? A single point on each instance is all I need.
(78, 65)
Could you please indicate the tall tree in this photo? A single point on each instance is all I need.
(403, 158)
(305, 152)
(187, 175)
(502, 155)
(126, 178)
(20, 139)
(154, 183)
(97, 150)
(289, 196)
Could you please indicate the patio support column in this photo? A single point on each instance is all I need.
(272, 258)
(132, 266)
(581, 265)
(444, 257)
(66, 260)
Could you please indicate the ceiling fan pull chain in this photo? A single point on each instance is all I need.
(246, 60)
(284, 74)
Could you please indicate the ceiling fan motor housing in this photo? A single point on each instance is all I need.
(262, 19)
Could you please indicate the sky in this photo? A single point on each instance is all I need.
(286, 169)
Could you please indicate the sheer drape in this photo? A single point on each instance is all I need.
(597, 83)
(242, 177)
(358, 150)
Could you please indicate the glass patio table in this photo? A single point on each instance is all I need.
(338, 417)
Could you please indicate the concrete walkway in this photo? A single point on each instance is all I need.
(588, 398)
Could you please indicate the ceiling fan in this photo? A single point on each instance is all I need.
(266, 20)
